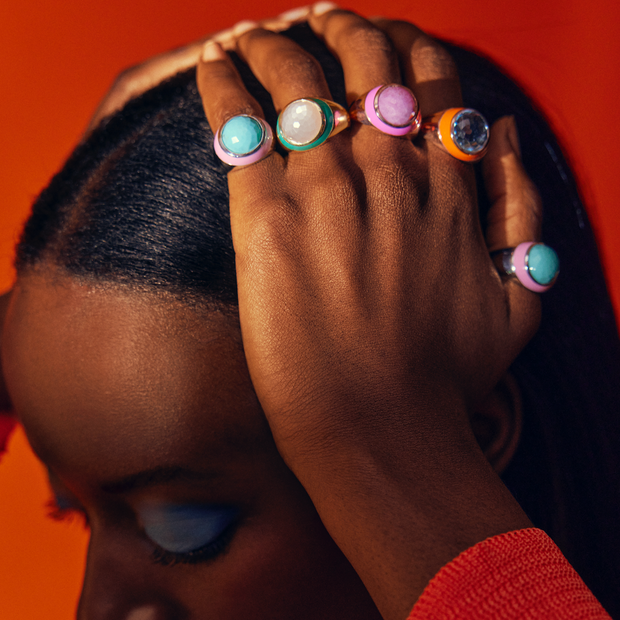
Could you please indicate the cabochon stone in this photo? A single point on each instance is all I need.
(241, 134)
(396, 106)
(301, 122)
(543, 264)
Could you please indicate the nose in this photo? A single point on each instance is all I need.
(122, 584)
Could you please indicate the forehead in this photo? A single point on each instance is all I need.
(126, 378)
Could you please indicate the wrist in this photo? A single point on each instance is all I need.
(400, 514)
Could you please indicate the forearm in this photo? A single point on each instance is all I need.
(402, 515)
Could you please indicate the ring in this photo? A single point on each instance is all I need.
(306, 123)
(243, 140)
(534, 264)
(390, 108)
(463, 132)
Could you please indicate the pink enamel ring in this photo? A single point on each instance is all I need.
(535, 265)
(243, 140)
(390, 108)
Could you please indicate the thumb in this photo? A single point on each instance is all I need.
(516, 210)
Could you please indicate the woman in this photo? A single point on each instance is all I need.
(370, 359)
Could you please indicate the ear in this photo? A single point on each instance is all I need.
(497, 422)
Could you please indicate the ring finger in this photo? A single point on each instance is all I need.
(366, 54)
(427, 66)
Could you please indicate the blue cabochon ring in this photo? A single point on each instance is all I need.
(307, 123)
(243, 140)
(535, 265)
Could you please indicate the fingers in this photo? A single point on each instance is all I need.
(296, 73)
(428, 69)
(515, 216)
(221, 88)
(366, 53)
(516, 210)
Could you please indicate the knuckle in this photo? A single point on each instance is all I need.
(296, 67)
(432, 61)
(368, 39)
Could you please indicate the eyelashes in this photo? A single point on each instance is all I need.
(62, 510)
(188, 533)
(181, 534)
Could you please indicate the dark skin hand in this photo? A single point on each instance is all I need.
(372, 318)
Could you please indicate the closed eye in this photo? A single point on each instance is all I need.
(187, 533)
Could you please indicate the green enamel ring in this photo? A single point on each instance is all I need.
(307, 123)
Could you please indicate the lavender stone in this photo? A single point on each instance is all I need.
(396, 106)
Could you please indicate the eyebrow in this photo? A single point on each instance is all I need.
(155, 477)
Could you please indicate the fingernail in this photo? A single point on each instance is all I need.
(212, 51)
(513, 136)
(295, 14)
(323, 7)
(244, 26)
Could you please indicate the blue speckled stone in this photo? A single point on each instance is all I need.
(543, 264)
(241, 135)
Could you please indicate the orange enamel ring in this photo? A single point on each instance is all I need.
(462, 132)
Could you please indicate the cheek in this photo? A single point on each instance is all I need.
(291, 568)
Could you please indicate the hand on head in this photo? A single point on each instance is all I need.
(374, 321)
(375, 327)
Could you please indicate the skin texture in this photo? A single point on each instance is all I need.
(374, 329)
(365, 351)
(149, 384)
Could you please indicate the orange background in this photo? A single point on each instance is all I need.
(58, 57)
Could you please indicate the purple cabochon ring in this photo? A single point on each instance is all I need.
(535, 265)
(243, 140)
(390, 108)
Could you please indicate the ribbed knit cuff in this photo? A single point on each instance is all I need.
(520, 574)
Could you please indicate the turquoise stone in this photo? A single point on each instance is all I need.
(543, 264)
(241, 135)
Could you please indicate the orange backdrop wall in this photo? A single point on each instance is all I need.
(58, 57)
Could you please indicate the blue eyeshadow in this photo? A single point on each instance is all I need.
(181, 528)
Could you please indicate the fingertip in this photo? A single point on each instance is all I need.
(295, 15)
(317, 18)
(240, 28)
(212, 51)
(320, 8)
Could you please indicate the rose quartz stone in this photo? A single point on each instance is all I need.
(396, 105)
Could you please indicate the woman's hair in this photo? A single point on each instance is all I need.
(143, 203)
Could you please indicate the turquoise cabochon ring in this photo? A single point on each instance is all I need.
(535, 265)
(307, 123)
(243, 140)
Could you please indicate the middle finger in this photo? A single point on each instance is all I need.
(296, 73)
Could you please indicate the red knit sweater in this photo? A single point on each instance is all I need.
(520, 575)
